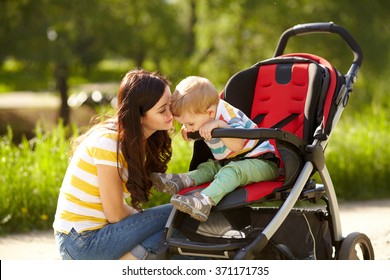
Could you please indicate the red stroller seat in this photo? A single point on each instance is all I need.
(296, 100)
(298, 86)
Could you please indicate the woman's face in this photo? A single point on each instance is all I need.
(159, 117)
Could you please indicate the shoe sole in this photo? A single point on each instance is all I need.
(162, 186)
(188, 209)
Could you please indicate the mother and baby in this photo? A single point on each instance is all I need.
(122, 158)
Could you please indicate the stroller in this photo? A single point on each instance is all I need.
(297, 99)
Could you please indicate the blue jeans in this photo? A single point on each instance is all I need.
(139, 234)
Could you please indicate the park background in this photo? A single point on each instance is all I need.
(78, 51)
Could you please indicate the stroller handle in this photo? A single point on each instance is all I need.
(321, 27)
(253, 133)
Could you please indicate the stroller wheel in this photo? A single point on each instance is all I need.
(356, 246)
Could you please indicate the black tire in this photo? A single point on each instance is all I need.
(356, 246)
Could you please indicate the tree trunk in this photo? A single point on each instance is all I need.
(61, 76)
(191, 28)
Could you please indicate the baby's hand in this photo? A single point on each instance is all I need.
(184, 133)
(205, 130)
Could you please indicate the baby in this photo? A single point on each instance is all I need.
(196, 105)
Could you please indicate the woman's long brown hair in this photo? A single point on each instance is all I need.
(139, 92)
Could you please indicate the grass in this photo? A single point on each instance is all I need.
(31, 174)
(357, 156)
(32, 171)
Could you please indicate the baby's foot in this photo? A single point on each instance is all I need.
(196, 205)
(170, 183)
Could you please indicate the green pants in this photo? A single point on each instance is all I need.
(227, 178)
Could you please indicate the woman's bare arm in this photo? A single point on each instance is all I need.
(111, 193)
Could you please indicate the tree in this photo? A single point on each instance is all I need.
(192, 37)
(63, 37)
(45, 38)
(231, 35)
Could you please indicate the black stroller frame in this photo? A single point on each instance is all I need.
(302, 155)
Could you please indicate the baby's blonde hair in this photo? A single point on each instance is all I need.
(194, 95)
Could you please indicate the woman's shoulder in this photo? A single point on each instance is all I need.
(103, 134)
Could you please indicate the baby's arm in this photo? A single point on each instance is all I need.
(234, 144)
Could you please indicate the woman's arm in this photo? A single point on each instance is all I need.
(111, 194)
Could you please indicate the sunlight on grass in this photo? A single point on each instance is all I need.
(115, 64)
(357, 156)
(12, 65)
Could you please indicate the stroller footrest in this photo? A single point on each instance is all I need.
(191, 248)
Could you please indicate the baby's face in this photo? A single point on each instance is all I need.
(192, 121)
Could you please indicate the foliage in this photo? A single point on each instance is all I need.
(31, 175)
(86, 33)
(358, 156)
(179, 38)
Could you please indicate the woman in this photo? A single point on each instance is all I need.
(110, 162)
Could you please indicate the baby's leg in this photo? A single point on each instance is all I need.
(205, 172)
(240, 173)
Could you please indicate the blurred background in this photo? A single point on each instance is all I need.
(61, 63)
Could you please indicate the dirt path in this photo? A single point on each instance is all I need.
(372, 219)
(369, 217)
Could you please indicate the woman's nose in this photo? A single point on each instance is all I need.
(169, 114)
